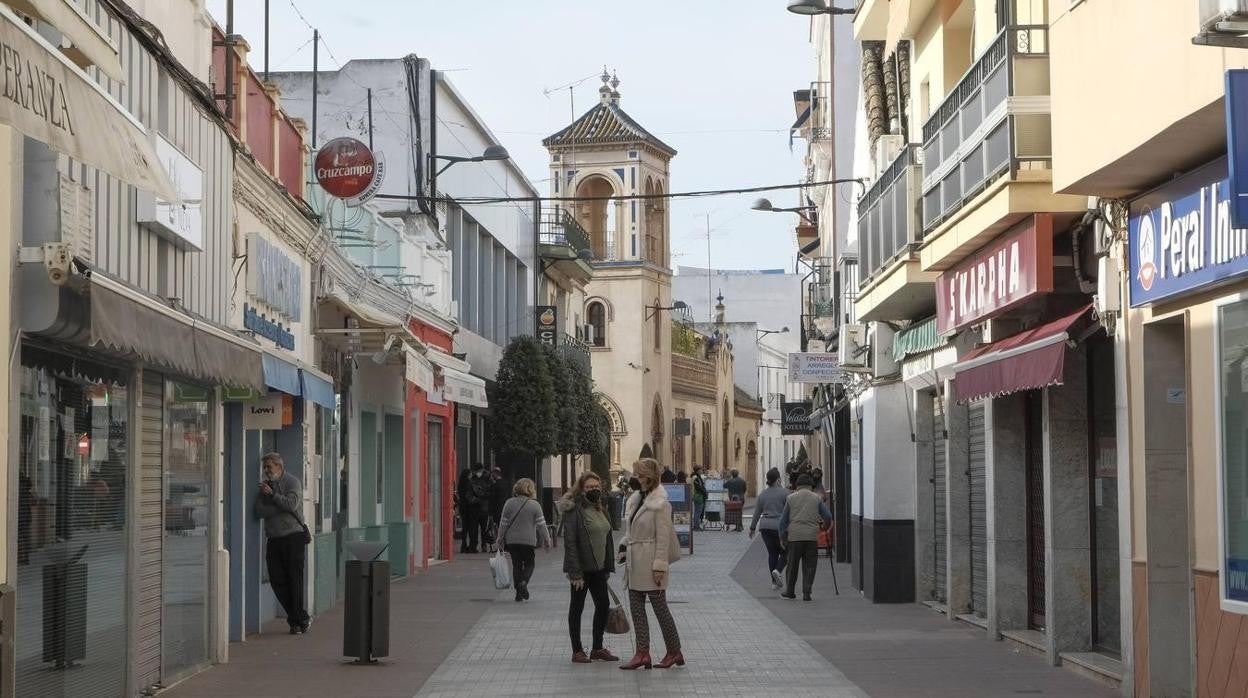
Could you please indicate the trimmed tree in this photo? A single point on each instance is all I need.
(523, 402)
(567, 436)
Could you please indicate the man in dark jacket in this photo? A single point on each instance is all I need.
(699, 497)
(736, 487)
(474, 505)
(279, 501)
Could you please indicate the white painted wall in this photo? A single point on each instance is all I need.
(888, 461)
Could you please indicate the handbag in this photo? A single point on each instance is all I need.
(500, 567)
(617, 620)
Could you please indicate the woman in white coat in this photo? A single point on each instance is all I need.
(648, 548)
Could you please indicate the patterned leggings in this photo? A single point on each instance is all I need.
(641, 626)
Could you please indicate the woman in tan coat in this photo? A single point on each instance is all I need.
(648, 548)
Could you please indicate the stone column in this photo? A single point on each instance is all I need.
(957, 504)
(1068, 554)
(1006, 464)
(924, 555)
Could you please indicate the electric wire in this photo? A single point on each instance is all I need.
(624, 197)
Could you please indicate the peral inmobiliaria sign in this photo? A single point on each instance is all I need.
(346, 169)
(815, 367)
(1001, 275)
(795, 418)
(45, 96)
(1181, 239)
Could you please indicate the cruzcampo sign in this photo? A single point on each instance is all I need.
(347, 169)
(1182, 239)
(1007, 271)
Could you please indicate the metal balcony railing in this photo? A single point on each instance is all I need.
(575, 351)
(981, 132)
(559, 227)
(888, 214)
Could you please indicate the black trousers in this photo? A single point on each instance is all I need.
(596, 586)
(286, 557)
(775, 551)
(806, 553)
(475, 521)
(522, 561)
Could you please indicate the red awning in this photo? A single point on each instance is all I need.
(1026, 361)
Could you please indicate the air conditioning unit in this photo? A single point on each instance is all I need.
(886, 149)
(587, 333)
(882, 361)
(851, 348)
(1108, 299)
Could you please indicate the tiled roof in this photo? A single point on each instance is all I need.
(605, 123)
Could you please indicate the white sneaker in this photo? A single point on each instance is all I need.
(775, 579)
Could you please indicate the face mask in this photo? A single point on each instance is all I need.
(593, 496)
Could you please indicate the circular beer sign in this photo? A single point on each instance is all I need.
(346, 168)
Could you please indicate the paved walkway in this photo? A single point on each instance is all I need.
(733, 645)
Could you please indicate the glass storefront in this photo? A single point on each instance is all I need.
(187, 543)
(1233, 408)
(72, 529)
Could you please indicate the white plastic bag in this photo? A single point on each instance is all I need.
(500, 566)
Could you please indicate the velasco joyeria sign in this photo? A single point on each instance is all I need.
(1002, 274)
(348, 170)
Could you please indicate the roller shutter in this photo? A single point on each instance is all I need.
(150, 530)
(979, 510)
(940, 525)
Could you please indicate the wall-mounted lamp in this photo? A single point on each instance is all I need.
(652, 309)
(764, 333)
(817, 7)
(491, 152)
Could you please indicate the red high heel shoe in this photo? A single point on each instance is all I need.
(641, 660)
(671, 658)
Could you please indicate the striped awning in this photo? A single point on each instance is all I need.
(916, 339)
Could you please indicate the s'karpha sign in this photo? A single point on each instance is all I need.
(1181, 238)
(346, 169)
(999, 276)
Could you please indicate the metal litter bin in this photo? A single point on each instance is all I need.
(366, 630)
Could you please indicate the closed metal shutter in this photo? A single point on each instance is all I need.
(979, 511)
(940, 520)
(151, 529)
(1035, 511)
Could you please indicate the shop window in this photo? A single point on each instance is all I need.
(72, 531)
(1233, 418)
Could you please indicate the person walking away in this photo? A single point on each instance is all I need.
(768, 509)
(817, 476)
(699, 497)
(521, 528)
(668, 477)
(647, 552)
(736, 487)
(278, 501)
(587, 560)
(804, 513)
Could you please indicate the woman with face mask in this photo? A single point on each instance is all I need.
(588, 562)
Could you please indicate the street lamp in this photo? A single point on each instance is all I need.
(652, 309)
(817, 7)
(766, 205)
(764, 333)
(491, 152)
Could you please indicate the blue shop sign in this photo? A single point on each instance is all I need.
(1181, 240)
(269, 329)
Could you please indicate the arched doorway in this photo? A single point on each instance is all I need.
(599, 218)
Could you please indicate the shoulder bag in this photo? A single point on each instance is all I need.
(617, 619)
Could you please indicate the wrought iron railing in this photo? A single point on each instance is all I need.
(560, 228)
(576, 351)
(888, 215)
(974, 137)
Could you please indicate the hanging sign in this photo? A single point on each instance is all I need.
(346, 169)
(1181, 238)
(795, 418)
(814, 367)
(266, 413)
(1004, 273)
(1237, 144)
(547, 324)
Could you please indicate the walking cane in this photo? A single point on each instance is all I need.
(832, 563)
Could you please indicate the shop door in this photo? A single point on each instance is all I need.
(394, 495)
(940, 519)
(1034, 445)
(151, 529)
(979, 510)
(1103, 498)
(434, 447)
(370, 469)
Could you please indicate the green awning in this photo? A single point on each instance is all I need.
(916, 339)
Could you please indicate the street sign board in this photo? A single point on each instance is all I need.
(815, 367)
(347, 169)
(795, 418)
(547, 324)
(999, 276)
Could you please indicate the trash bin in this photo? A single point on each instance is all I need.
(366, 630)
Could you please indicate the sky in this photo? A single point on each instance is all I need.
(712, 78)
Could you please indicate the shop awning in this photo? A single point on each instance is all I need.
(282, 375)
(128, 321)
(317, 389)
(916, 339)
(459, 385)
(1028, 360)
(418, 370)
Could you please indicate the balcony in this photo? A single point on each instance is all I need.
(888, 215)
(575, 351)
(563, 240)
(994, 124)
